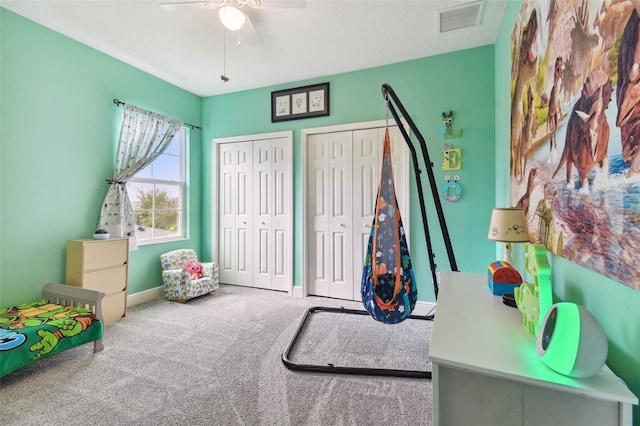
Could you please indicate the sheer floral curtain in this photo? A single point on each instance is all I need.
(144, 135)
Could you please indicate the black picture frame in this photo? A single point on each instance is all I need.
(300, 102)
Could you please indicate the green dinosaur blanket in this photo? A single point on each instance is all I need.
(36, 330)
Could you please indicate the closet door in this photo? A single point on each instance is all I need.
(281, 215)
(263, 243)
(272, 254)
(254, 193)
(330, 196)
(343, 185)
(367, 155)
(236, 213)
(401, 161)
(367, 160)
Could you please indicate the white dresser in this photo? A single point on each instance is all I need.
(101, 265)
(486, 370)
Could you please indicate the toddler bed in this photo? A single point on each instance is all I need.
(65, 317)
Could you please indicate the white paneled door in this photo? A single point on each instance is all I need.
(343, 177)
(271, 237)
(236, 213)
(255, 213)
(330, 192)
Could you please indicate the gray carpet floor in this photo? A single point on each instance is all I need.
(216, 360)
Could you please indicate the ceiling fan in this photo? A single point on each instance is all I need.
(232, 17)
(230, 14)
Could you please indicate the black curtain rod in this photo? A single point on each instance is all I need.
(119, 102)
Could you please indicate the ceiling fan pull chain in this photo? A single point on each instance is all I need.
(224, 77)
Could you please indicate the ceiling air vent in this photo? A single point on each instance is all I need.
(465, 15)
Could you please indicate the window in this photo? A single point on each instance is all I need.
(157, 195)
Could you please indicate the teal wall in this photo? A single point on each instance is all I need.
(54, 163)
(617, 307)
(461, 81)
(59, 132)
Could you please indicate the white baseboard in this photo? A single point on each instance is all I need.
(424, 308)
(297, 291)
(145, 296)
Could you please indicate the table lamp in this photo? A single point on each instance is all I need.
(508, 225)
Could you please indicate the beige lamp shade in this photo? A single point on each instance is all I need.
(508, 225)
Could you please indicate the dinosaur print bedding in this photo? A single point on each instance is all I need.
(32, 331)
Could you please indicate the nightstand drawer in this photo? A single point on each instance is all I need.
(102, 254)
(110, 280)
(114, 306)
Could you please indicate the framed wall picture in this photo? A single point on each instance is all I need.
(300, 102)
(281, 107)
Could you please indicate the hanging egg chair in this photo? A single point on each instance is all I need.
(388, 288)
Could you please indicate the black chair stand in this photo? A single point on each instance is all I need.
(390, 98)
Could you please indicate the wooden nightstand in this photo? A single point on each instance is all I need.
(101, 265)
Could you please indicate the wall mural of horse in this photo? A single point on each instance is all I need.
(575, 131)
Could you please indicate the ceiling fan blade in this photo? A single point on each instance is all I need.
(275, 4)
(248, 34)
(190, 5)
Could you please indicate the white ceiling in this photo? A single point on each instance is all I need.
(326, 37)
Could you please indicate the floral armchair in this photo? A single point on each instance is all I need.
(178, 284)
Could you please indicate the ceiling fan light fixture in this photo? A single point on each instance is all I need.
(232, 18)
